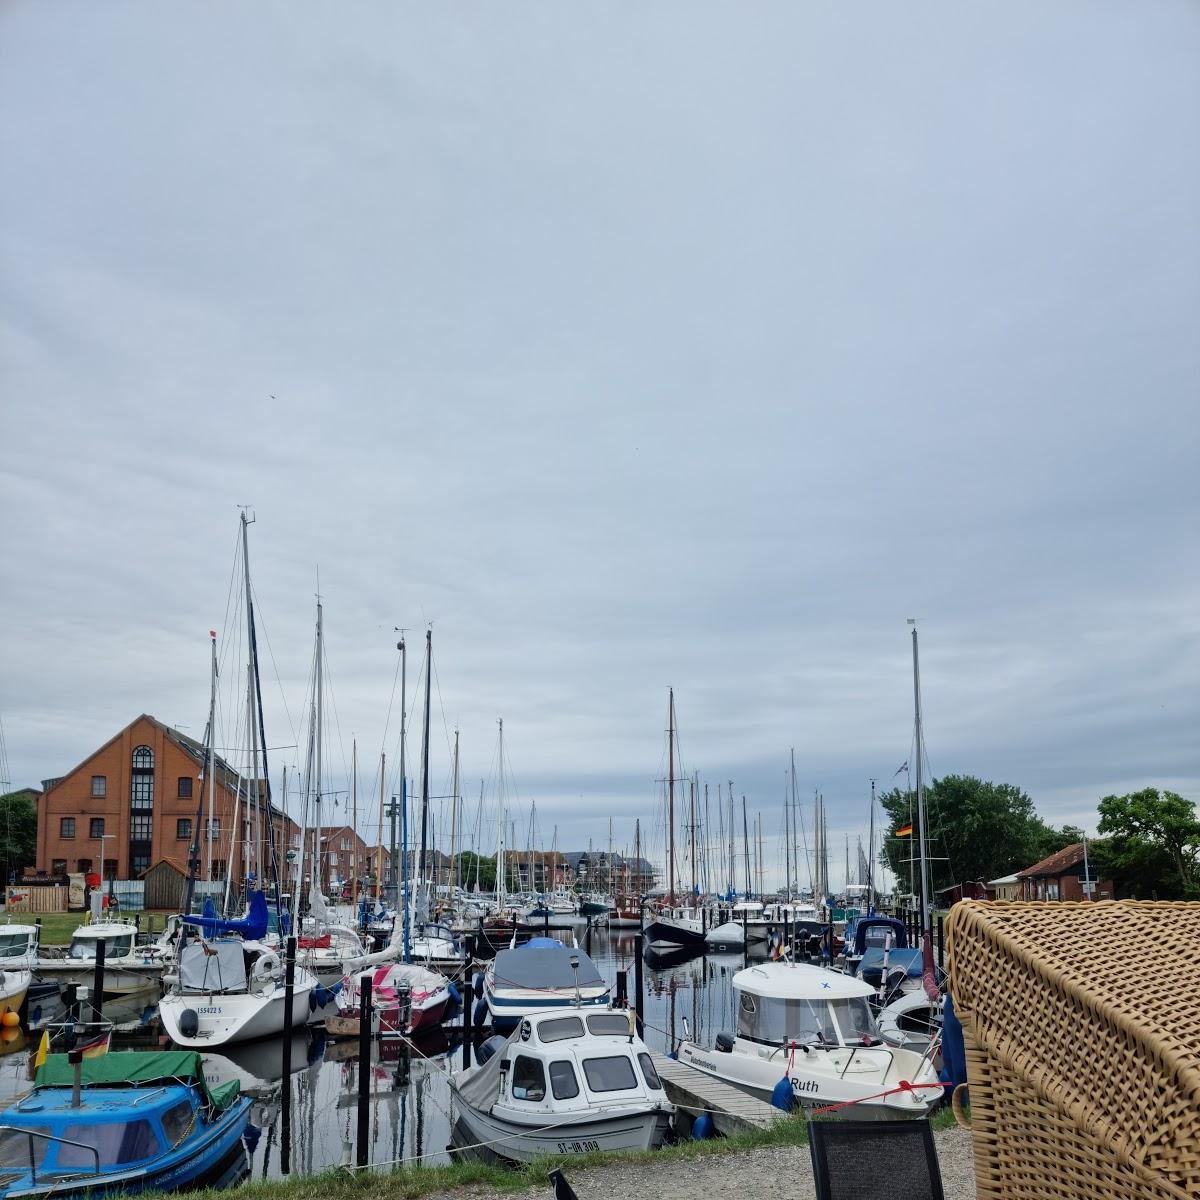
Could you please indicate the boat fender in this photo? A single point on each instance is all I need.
(480, 1013)
(477, 985)
(783, 1096)
(703, 1128)
(321, 995)
(250, 1136)
(455, 994)
(189, 1023)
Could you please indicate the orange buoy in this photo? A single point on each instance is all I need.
(10, 1020)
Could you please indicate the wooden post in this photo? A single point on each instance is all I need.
(289, 989)
(98, 982)
(364, 1068)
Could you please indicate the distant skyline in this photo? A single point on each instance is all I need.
(675, 346)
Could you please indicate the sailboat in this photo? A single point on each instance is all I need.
(673, 927)
(228, 982)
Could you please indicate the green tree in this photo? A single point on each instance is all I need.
(468, 861)
(18, 832)
(977, 831)
(1153, 844)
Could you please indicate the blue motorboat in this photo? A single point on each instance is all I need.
(127, 1121)
(540, 976)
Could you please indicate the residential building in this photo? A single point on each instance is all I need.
(1060, 877)
(1007, 887)
(343, 855)
(135, 801)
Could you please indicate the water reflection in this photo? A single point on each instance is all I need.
(308, 1122)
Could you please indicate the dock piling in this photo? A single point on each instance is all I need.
(364, 1069)
(289, 990)
(98, 983)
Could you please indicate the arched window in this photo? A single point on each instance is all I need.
(141, 802)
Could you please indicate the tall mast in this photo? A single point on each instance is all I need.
(707, 884)
(354, 863)
(870, 880)
(671, 796)
(317, 830)
(252, 725)
(212, 760)
(692, 830)
(423, 883)
(746, 847)
(452, 881)
(787, 847)
(379, 829)
(395, 872)
(637, 853)
(500, 864)
(926, 910)
(732, 838)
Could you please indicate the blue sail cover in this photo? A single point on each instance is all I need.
(252, 926)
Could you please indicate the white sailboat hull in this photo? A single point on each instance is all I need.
(239, 1017)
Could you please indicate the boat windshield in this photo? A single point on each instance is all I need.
(116, 947)
(13, 945)
(15, 1147)
(774, 1020)
(117, 1142)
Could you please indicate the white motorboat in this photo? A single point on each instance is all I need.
(912, 1021)
(230, 990)
(815, 1028)
(437, 948)
(543, 975)
(726, 936)
(565, 1082)
(18, 955)
(128, 966)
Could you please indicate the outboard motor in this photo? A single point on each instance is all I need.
(490, 1048)
(725, 1042)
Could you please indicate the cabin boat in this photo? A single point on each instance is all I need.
(816, 1029)
(127, 966)
(626, 913)
(18, 955)
(495, 932)
(565, 1082)
(437, 948)
(138, 1122)
(541, 976)
(329, 952)
(672, 928)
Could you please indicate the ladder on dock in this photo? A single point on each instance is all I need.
(732, 1110)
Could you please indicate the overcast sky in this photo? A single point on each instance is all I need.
(634, 346)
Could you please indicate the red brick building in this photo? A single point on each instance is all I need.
(1060, 877)
(134, 802)
(343, 853)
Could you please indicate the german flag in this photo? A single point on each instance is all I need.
(904, 831)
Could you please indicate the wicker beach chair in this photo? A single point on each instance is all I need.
(1082, 1030)
(874, 1160)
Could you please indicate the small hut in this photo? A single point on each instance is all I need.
(165, 883)
(1083, 1047)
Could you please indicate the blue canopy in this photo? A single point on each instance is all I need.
(252, 926)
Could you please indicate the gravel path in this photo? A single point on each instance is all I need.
(768, 1171)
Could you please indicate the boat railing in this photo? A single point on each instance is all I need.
(50, 1137)
(854, 1051)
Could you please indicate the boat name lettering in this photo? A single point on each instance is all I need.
(577, 1147)
(805, 1085)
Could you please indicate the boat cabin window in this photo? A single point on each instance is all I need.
(772, 1019)
(854, 1018)
(609, 1024)
(563, 1083)
(13, 944)
(117, 1142)
(528, 1079)
(560, 1029)
(14, 1147)
(115, 947)
(610, 1074)
(177, 1121)
(647, 1065)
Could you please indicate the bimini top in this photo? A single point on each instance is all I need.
(785, 981)
(125, 1068)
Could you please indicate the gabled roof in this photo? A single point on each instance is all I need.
(1004, 879)
(1058, 862)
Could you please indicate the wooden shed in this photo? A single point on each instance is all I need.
(165, 883)
(1083, 1047)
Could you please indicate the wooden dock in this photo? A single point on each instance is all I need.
(694, 1092)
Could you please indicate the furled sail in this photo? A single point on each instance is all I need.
(251, 927)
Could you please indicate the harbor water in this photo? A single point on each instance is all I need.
(411, 1119)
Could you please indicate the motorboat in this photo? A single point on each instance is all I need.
(912, 1021)
(564, 1082)
(437, 948)
(676, 927)
(329, 952)
(498, 931)
(119, 1123)
(541, 976)
(626, 913)
(726, 936)
(128, 966)
(816, 1028)
(407, 999)
(557, 911)
(18, 953)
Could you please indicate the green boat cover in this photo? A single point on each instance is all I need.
(138, 1066)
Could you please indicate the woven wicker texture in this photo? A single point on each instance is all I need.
(1082, 1024)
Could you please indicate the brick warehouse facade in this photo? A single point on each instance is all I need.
(133, 803)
